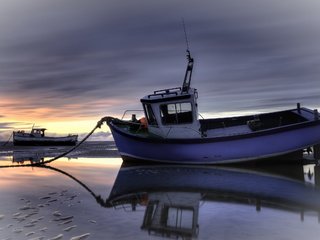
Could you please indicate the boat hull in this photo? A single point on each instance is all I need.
(44, 141)
(259, 145)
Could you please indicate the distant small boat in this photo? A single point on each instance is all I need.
(171, 131)
(37, 138)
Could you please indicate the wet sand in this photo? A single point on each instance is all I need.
(67, 200)
(42, 203)
(87, 149)
(39, 203)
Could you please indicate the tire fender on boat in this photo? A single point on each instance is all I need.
(144, 123)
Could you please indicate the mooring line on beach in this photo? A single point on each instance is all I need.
(98, 125)
(98, 198)
(7, 141)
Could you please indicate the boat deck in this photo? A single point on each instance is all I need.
(305, 113)
(229, 131)
(221, 127)
(247, 124)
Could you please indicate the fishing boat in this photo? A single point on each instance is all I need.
(37, 138)
(172, 132)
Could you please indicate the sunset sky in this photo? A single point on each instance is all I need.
(64, 64)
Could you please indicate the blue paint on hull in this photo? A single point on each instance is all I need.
(225, 151)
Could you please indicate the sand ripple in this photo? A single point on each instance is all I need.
(43, 229)
(57, 214)
(30, 228)
(63, 218)
(65, 222)
(81, 237)
(29, 225)
(17, 230)
(57, 237)
(69, 228)
(16, 214)
(29, 234)
(36, 238)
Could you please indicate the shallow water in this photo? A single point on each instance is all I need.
(88, 196)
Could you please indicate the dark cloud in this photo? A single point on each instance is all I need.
(10, 125)
(86, 58)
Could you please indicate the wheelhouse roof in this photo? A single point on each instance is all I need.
(165, 95)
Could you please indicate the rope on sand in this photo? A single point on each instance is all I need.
(7, 141)
(98, 125)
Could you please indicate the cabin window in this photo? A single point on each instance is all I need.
(149, 114)
(176, 113)
(179, 218)
(150, 213)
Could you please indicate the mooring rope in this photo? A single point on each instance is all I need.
(98, 125)
(98, 198)
(7, 141)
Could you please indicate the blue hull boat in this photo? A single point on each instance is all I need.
(171, 132)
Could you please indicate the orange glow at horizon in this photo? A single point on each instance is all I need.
(79, 118)
(89, 170)
(16, 110)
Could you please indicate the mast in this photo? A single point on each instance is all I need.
(188, 74)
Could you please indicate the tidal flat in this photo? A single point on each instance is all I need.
(92, 194)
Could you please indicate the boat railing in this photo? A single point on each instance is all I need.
(164, 92)
(129, 204)
(200, 115)
(132, 112)
(129, 207)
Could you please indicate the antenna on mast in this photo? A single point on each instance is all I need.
(185, 34)
(188, 74)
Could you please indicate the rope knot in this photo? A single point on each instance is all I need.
(106, 119)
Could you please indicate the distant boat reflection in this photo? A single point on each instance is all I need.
(33, 156)
(22, 157)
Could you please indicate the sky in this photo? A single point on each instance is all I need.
(64, 64)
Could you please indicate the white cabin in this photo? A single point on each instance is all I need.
(173, 112)
(172, 214)
(38, 132)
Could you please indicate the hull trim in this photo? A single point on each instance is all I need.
(215, 139)
(279, 156)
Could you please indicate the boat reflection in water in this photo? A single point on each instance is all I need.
(35, 155)
(172, 194)
(23, 157)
